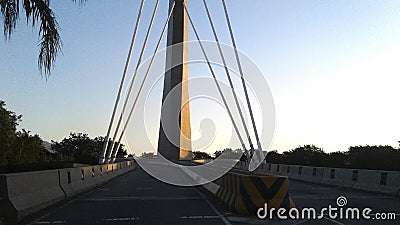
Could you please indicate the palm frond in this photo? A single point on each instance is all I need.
(50, 41)
(10, 12)
(37, 11)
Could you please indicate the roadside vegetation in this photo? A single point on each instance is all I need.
(22, 151)
(382, 157)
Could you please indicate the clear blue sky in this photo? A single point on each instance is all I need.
(333, 67)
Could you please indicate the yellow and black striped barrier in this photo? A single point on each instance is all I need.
(245, 194)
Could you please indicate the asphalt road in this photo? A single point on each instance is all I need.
(138, 198)
(318, 196)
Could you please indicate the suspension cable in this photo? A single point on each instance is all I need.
(242, 76)
(215, 78)
(105, 145)
(115, 151)
(229, 78)
(133, 79)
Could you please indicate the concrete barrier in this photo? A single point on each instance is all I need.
(22, 194)
(112, 170)
(244, 194)
(100, 175)
(26, 193)
(338, 176)
(77, 180)
(122, 167)
(385, 182)
(306, 173)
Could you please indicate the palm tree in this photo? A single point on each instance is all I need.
(38, 12)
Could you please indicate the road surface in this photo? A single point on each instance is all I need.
(138, 198)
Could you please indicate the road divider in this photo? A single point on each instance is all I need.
(245, 194)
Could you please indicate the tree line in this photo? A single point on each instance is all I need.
(377, 157)
(382, 157)
(22, 151)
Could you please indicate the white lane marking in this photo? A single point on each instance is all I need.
(144, 188)
(199, 217)
(103, 189)
(124, 180)
(223, 218)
